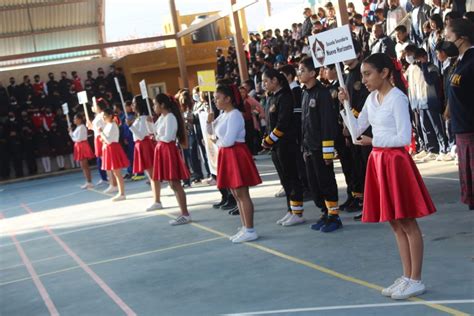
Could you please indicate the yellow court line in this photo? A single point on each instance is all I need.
(118, 259)
(322, 269)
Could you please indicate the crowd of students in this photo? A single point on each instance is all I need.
(33, 128)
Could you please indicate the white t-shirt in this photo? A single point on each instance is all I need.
(111, 133)
(229, 127)
(141, 128)
(166, 128)
(79, 134)
(98, 122)
(390, 121)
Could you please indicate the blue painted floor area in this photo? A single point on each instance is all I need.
(95, 257)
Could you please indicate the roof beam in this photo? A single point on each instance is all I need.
(89, 47)
(38, 5)
(100, 11)
(222, 14)
(50, 30)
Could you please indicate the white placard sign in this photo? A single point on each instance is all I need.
(82, 97)
(211, 148)
(65, 109)
(331, 47)
(143, 89)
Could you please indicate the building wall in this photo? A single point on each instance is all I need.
(162, 65)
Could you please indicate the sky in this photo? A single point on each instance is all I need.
(142, 18)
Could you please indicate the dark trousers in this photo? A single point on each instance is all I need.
(345, 157)
(191, 157)
(420, 142)
(250, 136)
(102, 173)
(227, 196)
(321, 179)
(129, 149)
(283, 157)
(360, 156)
(4, 164)
(434, 133)
(200, 143)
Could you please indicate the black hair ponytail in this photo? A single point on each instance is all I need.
(380, 61)
(232, 91)
(169, 103)
(140, 105)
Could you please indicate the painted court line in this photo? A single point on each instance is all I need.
(90, 264)
(128, 311)
(32, 261)
(441, 178)
(322, 269)
(327, 271)
(327, 308)
(80, 230)
(36, 280)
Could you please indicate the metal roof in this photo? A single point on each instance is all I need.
(28, 26)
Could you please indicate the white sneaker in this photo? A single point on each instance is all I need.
(280, 193)
(118, 198)
(154, 207)
(388, 291)
(408, 289)
(244, 237)
(294, 220)
(101, 182)
(422, 154)
(448, 157)
(211, 181)
(429, 157)
(284, 218)
(441, 157)
(239, 232)
(111, 189)
(180, 220)
(87, 185)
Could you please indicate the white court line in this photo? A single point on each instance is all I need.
(32, 261)
(78, 230)
(327, 308)
(45, 200)
(441, 178)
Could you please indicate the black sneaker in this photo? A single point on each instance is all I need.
(333, 223)
(358, 217)
(355, 206)
(234, 211)
(228, 206)
(348, 202)
(218, 205)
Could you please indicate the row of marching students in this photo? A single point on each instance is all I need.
(155, 151)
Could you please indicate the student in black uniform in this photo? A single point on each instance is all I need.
(289, 72)
(460, 95)
(358, 93)
(281, 139)
(319, 128)
(27, 139)
(342, 145)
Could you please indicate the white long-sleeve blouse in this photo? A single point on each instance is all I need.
(390, 121)
(111, 133)
(141, 128)
(229, 128)
(79, 134)
(166, 128)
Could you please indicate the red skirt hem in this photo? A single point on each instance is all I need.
(82, 150)
(98, 146)
(113, 157)
(236, 168)
(143, 155)
(394, 188)
(168, 164)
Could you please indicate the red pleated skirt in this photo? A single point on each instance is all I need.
(168, 164)
(236, 168)
(82, 150)
(113, 157)
(394, 188)
(98, 146)
(143, 155)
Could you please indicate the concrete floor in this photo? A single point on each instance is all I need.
(73, 252)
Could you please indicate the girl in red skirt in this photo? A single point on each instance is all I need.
(236, 169)
(394, 189)
(168, 164)
(113, 156)
(142, 130)
(82, 149)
